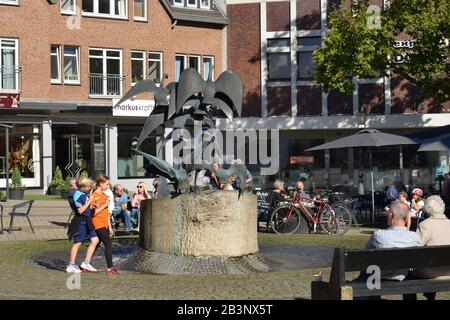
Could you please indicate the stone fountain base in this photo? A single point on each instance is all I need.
(207, 233)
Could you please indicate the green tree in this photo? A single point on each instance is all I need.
(354, 47)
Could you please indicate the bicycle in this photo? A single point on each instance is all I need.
(286, 218)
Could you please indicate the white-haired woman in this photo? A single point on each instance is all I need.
(434, 231)
(279, 194)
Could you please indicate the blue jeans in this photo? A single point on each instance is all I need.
(126, 215)
(134, 216)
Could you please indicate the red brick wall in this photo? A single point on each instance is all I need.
(278, 16)
(371, 98)
(37, 25)
(309, 100)
(244, 52)
(279, 101)
(308, 14)
(340, 103)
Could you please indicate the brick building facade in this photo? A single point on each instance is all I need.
(69, 59)
(270, 43)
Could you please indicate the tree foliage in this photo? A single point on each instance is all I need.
(353, 47)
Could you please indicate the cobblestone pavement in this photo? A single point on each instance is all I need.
(21, 280)
(47, 217)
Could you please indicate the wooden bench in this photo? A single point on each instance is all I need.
(338, 288)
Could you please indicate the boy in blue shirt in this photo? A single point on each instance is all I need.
(81, 228)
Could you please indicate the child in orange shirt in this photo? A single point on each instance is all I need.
(102, 222)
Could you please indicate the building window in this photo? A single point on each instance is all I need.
(192, 3)
(306, 65)
(137, 66)
(208, 67)
(305, 61)
(105, 72)
(105, 8)
(71, 65)
(204, 4)
(55, 64)
(178, 3)
(129, 163)
(155, 63)
(140, 10)
(194, 62)
(279, 43)
(68, 6)
(9, 66)
(14, 2)
(279, 66)
(24, 153)
(180, 65)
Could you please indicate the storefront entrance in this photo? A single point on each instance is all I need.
(78, 150)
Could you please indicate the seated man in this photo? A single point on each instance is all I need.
(301, 189)
(120, 207)
(396, 236)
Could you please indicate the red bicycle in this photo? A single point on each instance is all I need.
(287, 217)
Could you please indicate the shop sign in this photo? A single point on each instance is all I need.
(301, 160)
(9, 100)
(133, 108)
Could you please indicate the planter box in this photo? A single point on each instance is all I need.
(16, 194)
(64, 195)
(54, 191)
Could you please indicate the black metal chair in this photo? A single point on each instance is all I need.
(26, 206)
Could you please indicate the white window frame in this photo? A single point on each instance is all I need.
(160, 60)
(213, 66)
(199, 60)
(16, 58)
(10, 3)
(195, 5)
(185, 62)
(145, 17)
(105, 15)
(178, 3)
(105, 59)
(58, 57)
(208, 6)
(68, 12)
(77, 56)
(144, 64)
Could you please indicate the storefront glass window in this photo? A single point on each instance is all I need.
(129, 164)
(24, 153)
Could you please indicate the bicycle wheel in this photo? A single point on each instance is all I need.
(327, 221)
(344, 218)
(285, 220)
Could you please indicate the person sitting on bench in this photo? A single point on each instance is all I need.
(396, 236)
(434, 231)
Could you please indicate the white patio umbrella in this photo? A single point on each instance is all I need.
(366, 138)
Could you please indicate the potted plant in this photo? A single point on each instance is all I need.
(17, 189)
(64, 188)
(56, 183)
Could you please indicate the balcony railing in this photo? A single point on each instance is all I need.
(105, 85)
(10, 79)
